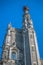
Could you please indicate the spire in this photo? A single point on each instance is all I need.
(27, 22)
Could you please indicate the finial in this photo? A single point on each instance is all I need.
(9, 25)
(25, 8)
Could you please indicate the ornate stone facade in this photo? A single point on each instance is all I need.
(20, 45)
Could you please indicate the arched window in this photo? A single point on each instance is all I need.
(13, 56)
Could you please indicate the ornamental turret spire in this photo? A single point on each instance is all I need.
(27, 21)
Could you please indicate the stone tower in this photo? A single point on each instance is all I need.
(20, 45)
(31, 52)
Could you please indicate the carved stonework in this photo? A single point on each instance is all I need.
(20, 46)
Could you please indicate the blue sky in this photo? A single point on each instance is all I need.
(12, 11)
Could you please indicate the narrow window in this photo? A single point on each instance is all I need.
(33, 49)
(13, 56)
